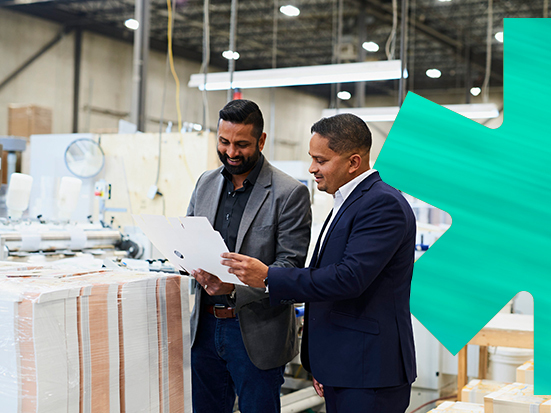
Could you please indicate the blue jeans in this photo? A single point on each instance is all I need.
(221, 368)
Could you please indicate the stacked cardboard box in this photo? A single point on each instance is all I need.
(458, 407)
(525, 373)
(475, 390)
(98, 342)
(516, 398)
(25, 120)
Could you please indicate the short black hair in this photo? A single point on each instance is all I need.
(244, 112)
(346, 133)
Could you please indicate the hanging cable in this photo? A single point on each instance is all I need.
(390, 46)
(205, 64)
(161, 120)
(171, 59)
(486, 84)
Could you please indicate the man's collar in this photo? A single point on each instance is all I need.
(253, 175)
(348, 187)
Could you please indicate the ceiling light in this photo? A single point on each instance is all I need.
(289, 10)
(389, 113)
(230, 55)
(370, 46)
(433, 73)
(132, 24)
(344, 95)
(475, 91)
(499, 37)
(444, 1)
(295, 76)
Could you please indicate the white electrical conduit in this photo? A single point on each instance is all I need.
(486, 84)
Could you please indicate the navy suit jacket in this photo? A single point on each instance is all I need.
(357, 324)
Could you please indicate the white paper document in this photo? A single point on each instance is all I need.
(189, 243)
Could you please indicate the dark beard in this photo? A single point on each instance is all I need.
(246, 163)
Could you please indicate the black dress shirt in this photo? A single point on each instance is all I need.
(228, 216)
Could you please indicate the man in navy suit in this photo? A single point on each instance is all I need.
(358, 339)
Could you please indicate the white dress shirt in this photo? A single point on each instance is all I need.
(340, 196)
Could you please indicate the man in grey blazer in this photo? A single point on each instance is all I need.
(239, 343)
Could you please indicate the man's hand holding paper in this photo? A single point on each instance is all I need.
(190, 244)
(211, 283)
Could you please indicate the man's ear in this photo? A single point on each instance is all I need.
(355, 163)
(262, 141)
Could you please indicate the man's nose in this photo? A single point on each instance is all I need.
(232, 151)
(312, 168)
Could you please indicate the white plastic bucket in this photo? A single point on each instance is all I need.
(505, 360)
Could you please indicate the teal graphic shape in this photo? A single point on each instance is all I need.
(496, 185)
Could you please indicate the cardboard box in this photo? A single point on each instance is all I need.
(525, 373)
(458, 407)
(475, 390)
(516, 398)
(26, 120)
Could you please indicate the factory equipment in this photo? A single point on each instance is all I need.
(13, 146)
(19, 190)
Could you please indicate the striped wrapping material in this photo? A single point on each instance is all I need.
(97, 342)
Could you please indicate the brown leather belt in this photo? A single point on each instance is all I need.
(221, 312)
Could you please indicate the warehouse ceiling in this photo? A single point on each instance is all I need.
(446, 35)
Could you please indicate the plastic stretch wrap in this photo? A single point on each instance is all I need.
(525, 373)
(458, 407)
(516, 398)
(93, 342)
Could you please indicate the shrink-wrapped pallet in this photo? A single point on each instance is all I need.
(458, 407)
(98, 342)
(38, 328)
(516, 398)
(475, 390)
(525, 373)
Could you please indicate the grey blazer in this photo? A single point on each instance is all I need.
(275, 228)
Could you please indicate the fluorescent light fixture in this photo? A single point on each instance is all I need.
(303, 75)
(499, 37)
(344, 95)
(444, 1)
(370, 46)
(289, 10)
(433, 73)
(389, 113)
(230, 55)
(475, 91)
(132, 24)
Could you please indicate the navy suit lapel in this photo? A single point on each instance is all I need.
(314, 259)
(362, 187)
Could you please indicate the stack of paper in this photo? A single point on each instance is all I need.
(516, 398)
(458, 407)
(99, 342)
(475, 390)
(525, 373)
